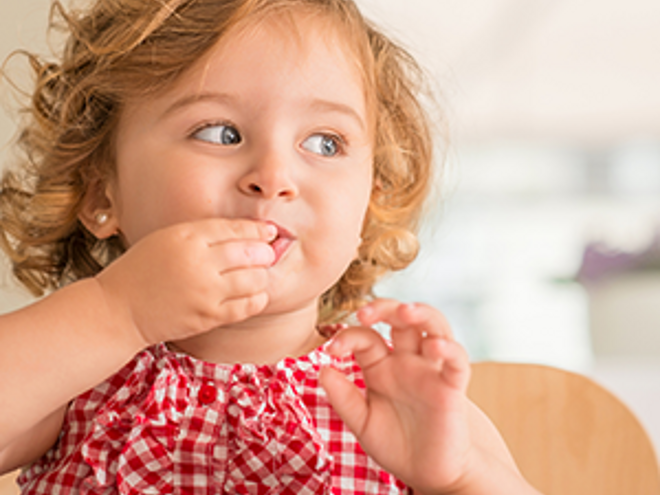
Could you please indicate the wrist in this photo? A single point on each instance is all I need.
(486, 475)
(115, 315)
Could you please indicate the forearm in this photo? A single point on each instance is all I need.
(31, 445)
(56, 349)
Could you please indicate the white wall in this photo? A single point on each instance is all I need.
(22, 25)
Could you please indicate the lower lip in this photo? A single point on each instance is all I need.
(280, 247)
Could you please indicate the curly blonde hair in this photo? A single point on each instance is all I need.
(118, 49)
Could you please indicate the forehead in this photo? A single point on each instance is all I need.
(301, 28)
(283, 46)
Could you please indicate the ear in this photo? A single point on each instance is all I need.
(98, 212)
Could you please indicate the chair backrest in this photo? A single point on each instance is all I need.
(568, 434)
(8, 484)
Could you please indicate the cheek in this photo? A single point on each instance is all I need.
(342, 223)
(152, 197)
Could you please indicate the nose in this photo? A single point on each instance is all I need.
(269, 177)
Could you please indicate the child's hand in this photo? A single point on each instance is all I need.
(415, 419)
(190, 278)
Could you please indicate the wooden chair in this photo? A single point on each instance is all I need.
(568, 435)
(8, 485)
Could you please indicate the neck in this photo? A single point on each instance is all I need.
(262, 339)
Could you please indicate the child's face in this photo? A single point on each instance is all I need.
(264, 127)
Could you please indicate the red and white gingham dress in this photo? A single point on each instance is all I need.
(168, 423)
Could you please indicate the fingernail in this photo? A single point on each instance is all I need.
(409, 306)
(366, 311)
(271, 231)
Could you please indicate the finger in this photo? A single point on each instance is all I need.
(432, 349)
(406, 340)
(241, 308)
(242, 254)
(243, 283)
(219, 230)
(451, 358)
(425, 319)
(377, 311)
(365, 344)
(346, 399)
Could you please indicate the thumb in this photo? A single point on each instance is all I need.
(346, 399)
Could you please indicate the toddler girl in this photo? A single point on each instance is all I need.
(209, 185)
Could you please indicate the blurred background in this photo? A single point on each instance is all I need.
(544, 244)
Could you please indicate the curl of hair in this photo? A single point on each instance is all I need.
(121, 49)
(403, 159)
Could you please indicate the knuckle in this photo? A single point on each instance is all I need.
(242, 308)
(248, 229)
(256, 303)
(241, 228)
(181, 230)
(182, 235)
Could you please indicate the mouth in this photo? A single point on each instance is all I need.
(281, 243)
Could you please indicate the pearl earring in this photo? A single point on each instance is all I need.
(101, 218)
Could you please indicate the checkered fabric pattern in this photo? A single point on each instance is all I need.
(168, 423)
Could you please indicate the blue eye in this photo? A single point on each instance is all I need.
(323, 144)
(225, 135)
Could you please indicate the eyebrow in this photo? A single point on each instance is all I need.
(336, 107)
(316, 104)
(194, 99)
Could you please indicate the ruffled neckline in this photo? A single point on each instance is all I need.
(223, 372)
(258, 414)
